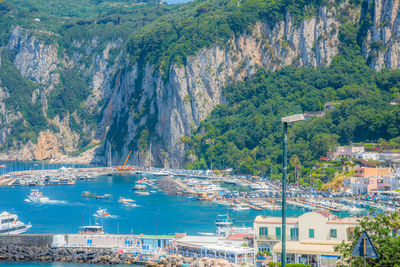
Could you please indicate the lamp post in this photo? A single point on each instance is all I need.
(286, 121)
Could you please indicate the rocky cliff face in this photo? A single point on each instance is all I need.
(177, 106)
(42, 63)
(138, 108)
(382, 45)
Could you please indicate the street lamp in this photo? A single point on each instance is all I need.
(286, 120)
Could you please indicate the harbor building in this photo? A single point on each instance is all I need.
(311, 238)
(233, 248)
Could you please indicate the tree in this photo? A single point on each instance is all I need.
(383, 230)
(295, 163)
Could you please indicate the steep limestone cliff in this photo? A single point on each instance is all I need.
(382, 45)
(42, 62)
(177, 106)
(136, 107)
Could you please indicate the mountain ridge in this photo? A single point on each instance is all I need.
(135, 100)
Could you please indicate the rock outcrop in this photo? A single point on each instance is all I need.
(177, 106)
(382, 44)
(138, 107)
(15, 253)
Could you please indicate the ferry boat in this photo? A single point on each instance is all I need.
(103, 213)
(92, 230)
(10, 224)
(37, 196)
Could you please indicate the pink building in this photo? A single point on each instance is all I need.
(375, 184)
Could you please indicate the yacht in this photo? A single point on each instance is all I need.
(9, 224)
(239, 207)
(37, 196)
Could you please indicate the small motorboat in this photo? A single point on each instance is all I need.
(37, 197)
(142, 193)
(103, 213)
(125, 200)
(88, 194)
(105, 196)
(143, 181)
(239, 207)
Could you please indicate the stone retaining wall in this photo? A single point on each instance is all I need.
(28, 240)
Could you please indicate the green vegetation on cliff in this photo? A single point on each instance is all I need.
(21, 100)
(246, 132)
(179, 34)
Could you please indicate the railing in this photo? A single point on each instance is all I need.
(268, 237)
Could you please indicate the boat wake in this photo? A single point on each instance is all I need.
(51, 202)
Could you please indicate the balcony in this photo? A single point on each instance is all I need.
(267, 237)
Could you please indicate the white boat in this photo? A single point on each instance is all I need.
(103, 213)
(37, 197)
(125, 200)
(239, 207)
(9, 224)
(142, 193)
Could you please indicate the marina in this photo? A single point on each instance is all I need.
(171, 195)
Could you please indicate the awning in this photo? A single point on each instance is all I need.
(295, 247)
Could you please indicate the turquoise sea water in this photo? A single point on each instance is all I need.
(157, 213)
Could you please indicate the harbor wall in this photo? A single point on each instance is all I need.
(28, 240)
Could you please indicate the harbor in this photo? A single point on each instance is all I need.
(196, 217)
(230, 193)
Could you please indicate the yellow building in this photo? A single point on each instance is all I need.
(311, 237)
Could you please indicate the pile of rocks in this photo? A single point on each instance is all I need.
(101, 256)
(171, 186)
(86, 255)
(179, 260)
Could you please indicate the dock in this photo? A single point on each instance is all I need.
(318, 205)
(251, 206)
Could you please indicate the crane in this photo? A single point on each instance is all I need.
(123, 168)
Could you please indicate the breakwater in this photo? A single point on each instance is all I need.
(16, 253)
(173, 187)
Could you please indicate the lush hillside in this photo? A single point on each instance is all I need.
(128, 74)
(179, 34)
(246, 133)
(60, 24)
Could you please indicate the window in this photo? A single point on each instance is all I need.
(333, 233)
(263, 230)
(311, 233)
(278, 232)
(294, 234)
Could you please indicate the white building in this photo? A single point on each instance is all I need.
(235, 248)
(311, 237)
(359, 185)
(346, 151)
